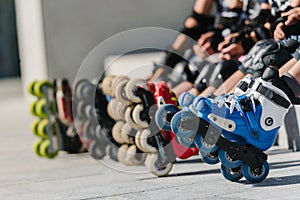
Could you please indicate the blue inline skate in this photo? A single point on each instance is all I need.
(234, 129)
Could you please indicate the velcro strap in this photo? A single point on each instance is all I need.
(243, 85)
(269, 94)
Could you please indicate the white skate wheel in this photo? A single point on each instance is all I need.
(111, 106)
(136, 116)
(116, 132)
(120, 92)
(151, 164)
(122, 154)
(127, 133)
(117, 80)
(134, 157)
(107, 85)
(120, 111)
(129, 119)
(131, 85)
(137, 140)
(143, 141)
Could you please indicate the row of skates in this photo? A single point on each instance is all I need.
(137, 122)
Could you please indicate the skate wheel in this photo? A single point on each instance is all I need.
(97, 151)
(90, 113)
(121, 94)
(43, 128)
(137, 140)
(40, 108)
(187, 142)
(34, 126)
(256, 175)
(186, 99)
(113, 152)
(231, 174)
(46, 150)
(107, 85)
(39, 86)
(111, 109)
(89, 130)
(164, 115)
(36, 147)
(136, 115)
(176, 121)
(129, 119)
(134, 157)
(116, 132)
(32, 108)
(80, 111)
(227, 161)
(210, 158)
(204, 147)
(144, 141)
(84, 90)
(122, 154)
(127, 133)
(118, 111)
(130, 86)
(30, 88)
(116, 81)
(152, 165)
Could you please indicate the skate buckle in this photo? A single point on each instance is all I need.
(224, 123)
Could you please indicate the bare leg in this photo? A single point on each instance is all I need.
(295, 71)
(287, 66)
(230, 83)
(182, 87)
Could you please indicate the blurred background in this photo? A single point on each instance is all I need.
(54, 36)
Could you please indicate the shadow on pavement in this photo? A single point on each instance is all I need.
(280, 165)
(212, 171)
(280, 181)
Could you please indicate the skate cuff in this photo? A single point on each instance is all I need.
(269, 94)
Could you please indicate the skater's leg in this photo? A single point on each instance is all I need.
(230, 83)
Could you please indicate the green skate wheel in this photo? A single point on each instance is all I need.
(32, 108)
(36, 147)
(34, 127)
(43, 128)
(38, 88)
(40, 108)
(30, 88)
(46, 150)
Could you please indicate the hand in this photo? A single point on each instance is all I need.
(293, 16)
(279, 33)
(204, 42)
(232, 51)
(205, 38)
(227, 41)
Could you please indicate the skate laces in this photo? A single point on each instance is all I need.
(230, 101)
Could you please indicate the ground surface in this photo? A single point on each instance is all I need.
(25, 176)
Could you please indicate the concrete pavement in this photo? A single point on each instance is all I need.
(23, 175)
